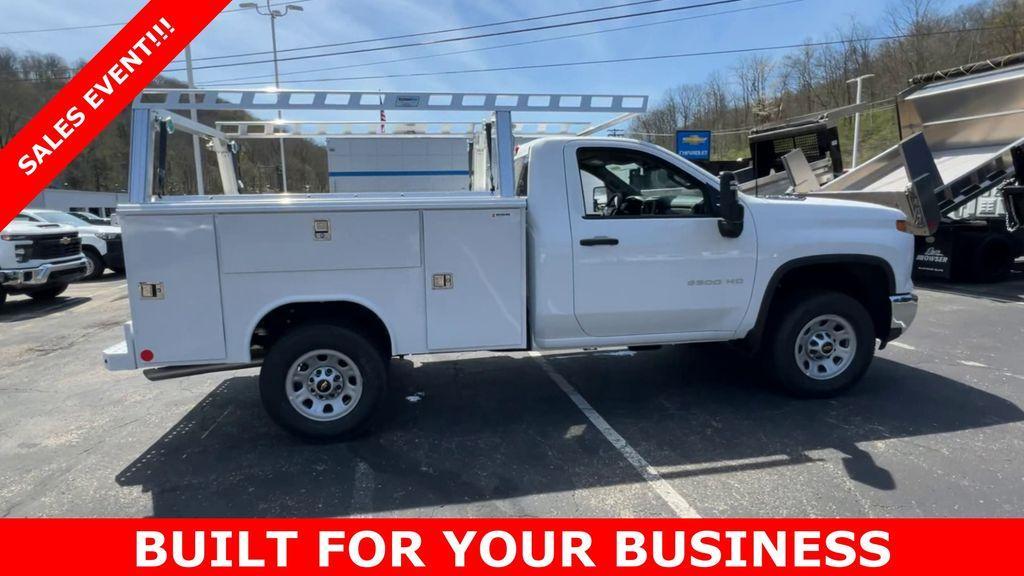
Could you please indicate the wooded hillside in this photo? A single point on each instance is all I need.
(766, 87)
(28, 81)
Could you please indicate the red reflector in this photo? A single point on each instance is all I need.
(146, 355)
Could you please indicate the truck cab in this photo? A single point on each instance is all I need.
(39, 260)
(575, 242)
(648, 263)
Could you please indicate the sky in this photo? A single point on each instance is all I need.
(750, 23)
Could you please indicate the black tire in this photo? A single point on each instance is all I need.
(48, 294)
(96, 264)
(3, 296)
(790, 321)
(368, 360)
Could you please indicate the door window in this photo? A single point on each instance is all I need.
(621, 183)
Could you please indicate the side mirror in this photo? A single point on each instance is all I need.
(730, 211)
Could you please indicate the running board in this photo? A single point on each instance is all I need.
(174, 372)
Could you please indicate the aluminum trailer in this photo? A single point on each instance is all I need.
(961, 158)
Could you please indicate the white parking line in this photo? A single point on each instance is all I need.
(902, 345)
(675, 501)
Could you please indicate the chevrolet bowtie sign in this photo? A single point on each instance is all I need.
(694, 144)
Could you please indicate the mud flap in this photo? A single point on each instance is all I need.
(1013, 196)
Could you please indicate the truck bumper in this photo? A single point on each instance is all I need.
(904, 311)
(121, 357)
(37, 278)
(114, 258)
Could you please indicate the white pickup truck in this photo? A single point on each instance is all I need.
(101, 244)
(39, 260)
(587, 242)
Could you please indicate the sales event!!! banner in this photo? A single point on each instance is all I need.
(511, 547)
(96, 95)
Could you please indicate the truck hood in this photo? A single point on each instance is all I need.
(822, 211)
(99, 229)
(794, 228)
(36, 229)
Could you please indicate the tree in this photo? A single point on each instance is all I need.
(814, 78)
(28, 81)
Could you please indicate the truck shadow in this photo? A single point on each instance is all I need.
(488, 429)
(1006, 292)
(23, 309)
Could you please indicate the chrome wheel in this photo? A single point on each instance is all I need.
(90, 267)
(826, 347)
(324, 385)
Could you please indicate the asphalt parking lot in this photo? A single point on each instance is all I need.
(937, 429)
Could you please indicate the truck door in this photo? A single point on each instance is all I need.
(648, 258)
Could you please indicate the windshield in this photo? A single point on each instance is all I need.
(54, 217)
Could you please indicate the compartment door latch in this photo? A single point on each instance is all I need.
(444, 281)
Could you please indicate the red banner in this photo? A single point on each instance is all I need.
(513, 547)
(96, 95)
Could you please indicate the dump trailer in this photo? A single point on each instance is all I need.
(960, 160)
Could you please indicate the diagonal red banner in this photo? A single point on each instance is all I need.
(91, 100)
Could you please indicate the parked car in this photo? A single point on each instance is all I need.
(101, 245)
(39, 260)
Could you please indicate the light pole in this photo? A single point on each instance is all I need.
(274, 15)
(197, 149)
(856, 118)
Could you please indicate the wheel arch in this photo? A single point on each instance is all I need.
(94, 243)
(273, 321)
(863, 269)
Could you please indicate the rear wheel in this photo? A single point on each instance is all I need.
(3, 296)
(323, 382)
(94, 265)
(823, 344)
(48, 294)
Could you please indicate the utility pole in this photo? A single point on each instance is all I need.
(856, 119)
(274, 15)
(196, 142)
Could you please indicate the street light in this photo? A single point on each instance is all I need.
(856, 119)
(274, 15)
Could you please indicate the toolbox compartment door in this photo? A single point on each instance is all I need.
(475, 279)
(184, 323)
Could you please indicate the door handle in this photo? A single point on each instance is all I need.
(600, 242)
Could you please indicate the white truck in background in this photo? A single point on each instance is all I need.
(39, 260)
(101, 243)
(583, 242)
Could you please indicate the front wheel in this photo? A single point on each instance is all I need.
(323, 382)
(94, 265)
(823, 344)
